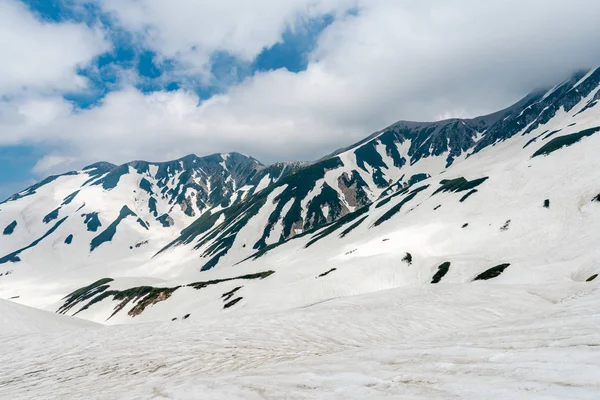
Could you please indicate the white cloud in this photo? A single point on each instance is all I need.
(51, 161)
(190, 31)
(41, 56)
(393, 60)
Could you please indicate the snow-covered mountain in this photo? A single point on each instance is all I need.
(401, 155)
(121, 214)
(445, 202)
(452, 259)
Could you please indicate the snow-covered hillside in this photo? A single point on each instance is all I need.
(517, 203)
(112, 218)
(453, 259)
(476, 341)
(389, 160)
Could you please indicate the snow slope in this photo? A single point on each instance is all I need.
(447, 341)
(16, 319)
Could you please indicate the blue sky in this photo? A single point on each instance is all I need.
(117, 80)
(291, 52)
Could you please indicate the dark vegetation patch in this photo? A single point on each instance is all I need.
(416, 178)
(236, 217)
(10, 228)
(436, 207)
(142, 223)
(140, 244)
(394, 210)
(82, 294)
(92, 221)
(259, 275)
(505, 227)
(143, 295)
(186, 316)
(152, 206)
(459, 185)
(551, 134)
(51, 216)
(147, 295)
(298, 186)
(466, 196)
(591, 278)
(108, 234)
(547, 203)
(337, 225)
(368, 154)
(232, 302)
(564, 141)
(534, 139)
(14, 256)
(531, 141)
(597, 198)
(465, 225)
(327, 272)
(70, 198)
(327, 197)
(165, 220)
(383, 202)
(407, 258)
(491, 273)
(591, 104)
(352, 227)
(111, 180)
(441, 272)
(146, 186)
(228, 295)
(69, 239)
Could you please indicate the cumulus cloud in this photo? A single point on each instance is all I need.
(387, 61)
(190, 31)
(40, 56)
(51, 161)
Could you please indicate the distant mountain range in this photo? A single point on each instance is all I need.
(416, 203)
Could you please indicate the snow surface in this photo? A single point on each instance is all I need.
(449, 341)
(16, 319)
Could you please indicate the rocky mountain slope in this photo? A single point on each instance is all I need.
(400, 155)
(121, 214)
(511, 196)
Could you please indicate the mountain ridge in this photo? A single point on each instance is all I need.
(233, 218)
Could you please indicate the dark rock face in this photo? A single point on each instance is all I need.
(563, 141)
(51, 216)
(10, 228)
(492, 272)
(92, 221)
(441, 272)
(214, 178)
(109, 232)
